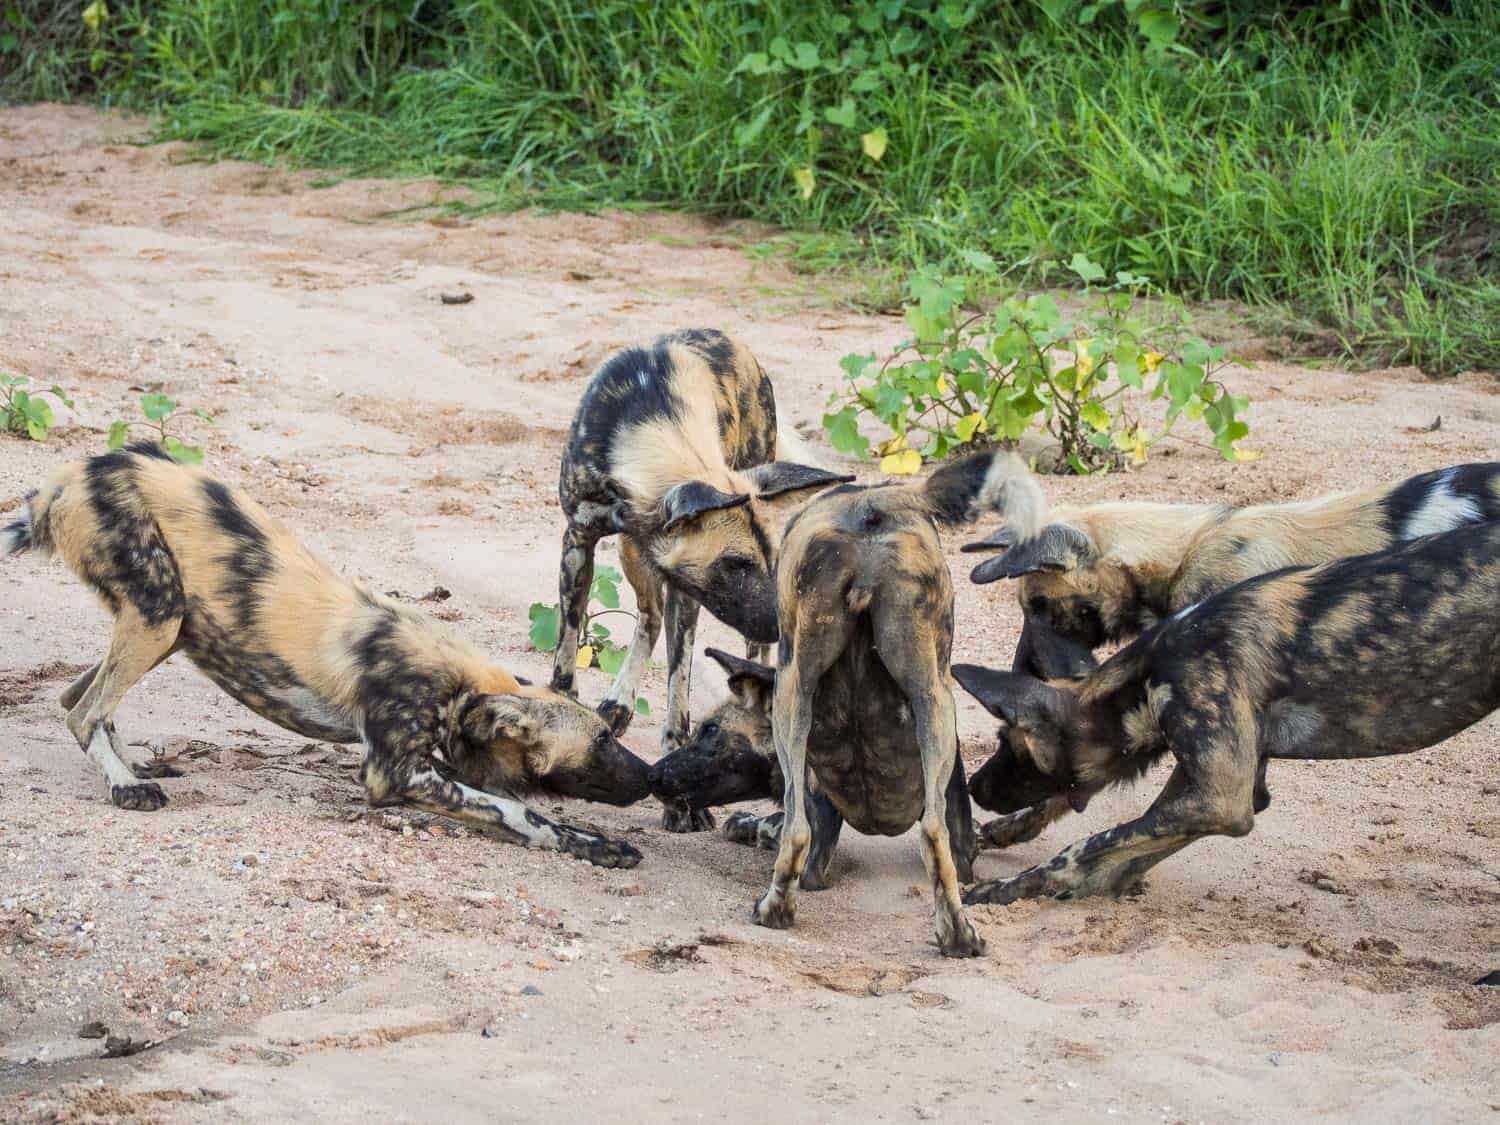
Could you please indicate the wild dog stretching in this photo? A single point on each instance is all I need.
(862, 714)
(1380, 654)
(189, 564)
(1106, 572)
(674, 448)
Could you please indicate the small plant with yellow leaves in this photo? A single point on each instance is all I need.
(972, 379)
(595, 648)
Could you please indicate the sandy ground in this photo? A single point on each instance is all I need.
(298, 956)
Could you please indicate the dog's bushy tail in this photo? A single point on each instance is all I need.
(995, 481)
(22, 534)
(792, 446)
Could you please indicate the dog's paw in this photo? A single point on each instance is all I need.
(147, 796)
(1003, 892)
(678, 817)
(964, 941)
(601, 852)
(773, 912)
(1013, 828)
(617, 715)
(753, 831)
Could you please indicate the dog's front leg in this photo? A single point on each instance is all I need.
(1211, 792)
(1019, 827)
(682, 623)
(413, 781)
(575, 578)
(618, 706)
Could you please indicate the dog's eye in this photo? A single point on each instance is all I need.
(708, 730)
(738, 563)
(1037, 607)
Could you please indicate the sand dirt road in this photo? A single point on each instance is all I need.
(303, 957)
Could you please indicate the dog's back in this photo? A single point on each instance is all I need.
(691, 405)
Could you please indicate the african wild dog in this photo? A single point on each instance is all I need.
(674, 448)
(862, 714)
(1384, 653)
(189, 564)
(1106, 572)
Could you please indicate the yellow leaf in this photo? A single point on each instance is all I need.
(1248, 454)
(874, 143)
(891, 445)
(95, 15)
(902, 464)
(1150, 361)
(585, 656)
(1085, 362)
(805, 181)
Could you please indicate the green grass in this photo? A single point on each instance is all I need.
(1341, 176)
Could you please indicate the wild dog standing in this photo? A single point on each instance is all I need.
(674, 449)
(189, 564)
(1106, 572)
(862, 706)
(1380, 654)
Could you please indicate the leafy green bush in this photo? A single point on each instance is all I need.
(159, 411)
(971, 378)
(24, 411)
(595, 646)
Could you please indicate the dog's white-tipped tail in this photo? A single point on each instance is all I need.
(1010, 488)
(998, 481)
(792, 446)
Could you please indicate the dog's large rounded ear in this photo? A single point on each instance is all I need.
(1034, 708)
(1003, 538)
(751, 682)
(1057, 547)
(694, 498)
(491, 718)
(777, 478)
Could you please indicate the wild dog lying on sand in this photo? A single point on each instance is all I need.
(674, 448)
(862, 706)
(188, 564)
(1380, 654)
(1106, 572)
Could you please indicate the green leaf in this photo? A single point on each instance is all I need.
(62, 395)
(745, 135)
(805, 58)
(1195, 352)
(890, 403)
(606, 593)
(642, 707)
(843, 115)
(1094, 415)
(843, 432)
(607, 572)
(1159, 27)
(855, 365)
(118, 432)
(1086, 269)
(183, 454)
(611, 658)
(980, 261)
(200, 413)
(1127, 366)
(546, 626)
(157, 407)
(866, 81)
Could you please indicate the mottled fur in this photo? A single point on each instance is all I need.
(186, 563)
(1106, 572)
(674, 448)
(1385, 653)
(862, 715)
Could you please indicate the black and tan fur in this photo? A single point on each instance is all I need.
(862, 714)
(674, 448)
(1380, 654)
(1106, 572)
(186, 563)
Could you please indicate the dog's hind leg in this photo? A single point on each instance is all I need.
(618, 706)
(74, 691)
(135, 648)
(682, 625)
(826, 824)
(575, 578)
(1209, 793)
